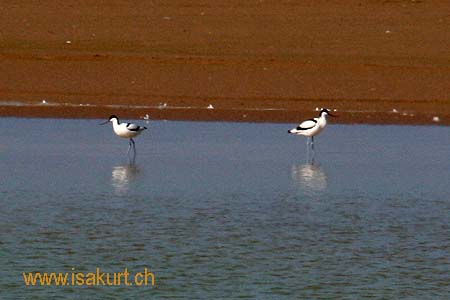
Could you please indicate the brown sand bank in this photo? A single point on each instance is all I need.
(373, 61)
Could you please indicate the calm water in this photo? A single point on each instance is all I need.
(227, 211)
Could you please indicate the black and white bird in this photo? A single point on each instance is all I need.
(125, 130)
(312, 127)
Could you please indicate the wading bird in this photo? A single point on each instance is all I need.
(126, 130)
(312, 127)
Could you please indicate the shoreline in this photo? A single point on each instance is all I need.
(375, 112)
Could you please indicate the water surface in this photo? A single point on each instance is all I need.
(227, 210)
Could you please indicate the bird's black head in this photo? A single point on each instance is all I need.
(326, 112)
(110, 119)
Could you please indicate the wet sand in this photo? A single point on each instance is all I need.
(277, 61)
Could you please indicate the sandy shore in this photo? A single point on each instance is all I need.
(373, 61)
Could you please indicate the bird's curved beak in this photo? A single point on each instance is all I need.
(331, 115)
(103, 123)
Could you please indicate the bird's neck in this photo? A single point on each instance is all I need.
(323, 119)
(115, 122)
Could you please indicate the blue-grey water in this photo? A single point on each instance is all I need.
(226, 210)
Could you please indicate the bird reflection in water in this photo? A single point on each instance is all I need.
(122, 176)
(309, 176)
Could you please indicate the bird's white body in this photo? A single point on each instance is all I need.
(126, 130)
(311, 127)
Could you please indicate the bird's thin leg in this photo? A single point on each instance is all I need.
(132, 157)
(313, 155)
(312, 143)
(129, 147)
(134, 146)
(307, 150)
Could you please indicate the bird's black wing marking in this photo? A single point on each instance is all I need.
(308, 127)
(304, 128)
(132, 127)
